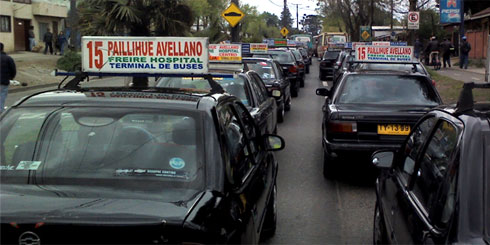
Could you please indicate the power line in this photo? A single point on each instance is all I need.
(275, 3)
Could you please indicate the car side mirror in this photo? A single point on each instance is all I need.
(274, 142)
(383, 159)
(322, 92)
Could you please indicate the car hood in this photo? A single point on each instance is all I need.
(91, 205)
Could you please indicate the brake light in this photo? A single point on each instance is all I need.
(293, 69)
(301, 66)
(433, 82)
(342, 127)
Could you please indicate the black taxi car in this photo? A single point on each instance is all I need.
(277, 84)
(435, 188)
(135, 165)
(247, 86)
(368, 110)
(327, 64)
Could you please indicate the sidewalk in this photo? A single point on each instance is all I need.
(35, 69)
(472, 74)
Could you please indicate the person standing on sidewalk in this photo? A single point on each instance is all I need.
(60, 42)
(32, 38)
(7, 73)
(446, 52)
(48, 41)
(465, 50)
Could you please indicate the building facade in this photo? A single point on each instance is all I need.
(16, 16)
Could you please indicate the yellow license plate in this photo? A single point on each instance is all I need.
(393, 129)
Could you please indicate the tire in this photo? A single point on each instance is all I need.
(294, 90)
(328, 166)
(280, 114)
(287, 106)
(270, 222)
(308, 69)
(302, 82)
(379, 230)
(322, 76)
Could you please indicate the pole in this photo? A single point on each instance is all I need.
(235, 31)
(391, 21)
(297, 17)
(461, 26)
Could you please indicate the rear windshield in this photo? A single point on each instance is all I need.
(110, 146)
(297, 55)
(282, 57)
(235, 86)
(264, 69)
(331, 55)
(387, 90)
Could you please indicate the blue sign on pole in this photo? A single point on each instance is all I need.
(245, 48)
(450, 11)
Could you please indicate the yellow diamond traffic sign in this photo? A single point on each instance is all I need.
(365, 35)
(233, 14)
(284, 31)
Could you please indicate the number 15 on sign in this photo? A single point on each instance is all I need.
(361, 53)
(94, 49)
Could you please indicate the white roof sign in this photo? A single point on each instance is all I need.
(225, 53)
(159, 55)
(373, 53)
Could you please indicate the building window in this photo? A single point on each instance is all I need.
(43, 28)
(23, 1)
(5, 25)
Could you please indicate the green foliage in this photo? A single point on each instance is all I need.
(208, 20)
(71, 61)
(286, 18)
(429, 26)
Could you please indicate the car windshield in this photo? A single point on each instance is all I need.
(331, 55)
(282, 57)
(264, 69)
(235, 86)
(297, 55)
(390, 67)
(387, 90)
(109, 147)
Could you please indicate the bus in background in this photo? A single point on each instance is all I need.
(305, 39)
(332, 40)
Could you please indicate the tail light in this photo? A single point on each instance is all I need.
(323, 64)
(342, 127)
(337, 63)
(433, 82)
(301, 65)
(293, 69)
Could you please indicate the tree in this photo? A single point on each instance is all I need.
(207, 14)
(286, 18)
(270, 19)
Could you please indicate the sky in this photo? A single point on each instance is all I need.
(275, 6)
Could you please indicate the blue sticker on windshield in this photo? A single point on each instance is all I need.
(177, 163)
(245, 102)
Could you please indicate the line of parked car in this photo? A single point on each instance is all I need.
(434, 159)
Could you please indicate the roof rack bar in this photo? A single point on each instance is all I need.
(465, 101)
(110, 74)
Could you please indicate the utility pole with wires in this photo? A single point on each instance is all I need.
(235, 31)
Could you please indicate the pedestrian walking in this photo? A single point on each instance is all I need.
(7, 73)
(446, 46)
(418, 48)
(433, 51)
(464, 52)
(60, 42)
(48, 41)
(32, 38)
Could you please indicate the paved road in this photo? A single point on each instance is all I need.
(311, 209)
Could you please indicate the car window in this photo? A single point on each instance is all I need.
(282, 57)
(117, 145)
(261, 86)
(297, 55)
(257, 90)
(387, 89)
(278, 68)
(413, 146)
(264, 69)
(250, 131)
(237, 143)
(434, 164)
(331, 55)
(235, 86)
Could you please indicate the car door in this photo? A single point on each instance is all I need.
(266, 115)
(421, 182)
(283, 80)
(394, 183)
(263, 178)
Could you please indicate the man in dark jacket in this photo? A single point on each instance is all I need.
(464, 50)
(446, 52)
(7, 73)
(48, 41)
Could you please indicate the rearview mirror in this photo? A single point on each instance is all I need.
(274, 142)
(322, 92)
(383, 159)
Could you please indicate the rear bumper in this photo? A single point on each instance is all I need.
(336, 147)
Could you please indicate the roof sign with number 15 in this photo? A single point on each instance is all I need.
(374, 53)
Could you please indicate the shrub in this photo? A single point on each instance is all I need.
(71, 61)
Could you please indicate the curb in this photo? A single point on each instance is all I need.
(27, 88)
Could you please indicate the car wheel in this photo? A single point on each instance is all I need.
(287, 106)
(280, 114)
(302, 82)
(328, 166)
(295, 90)
(270, 221)
(379, 236)
(307, 69)
(322, 77)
